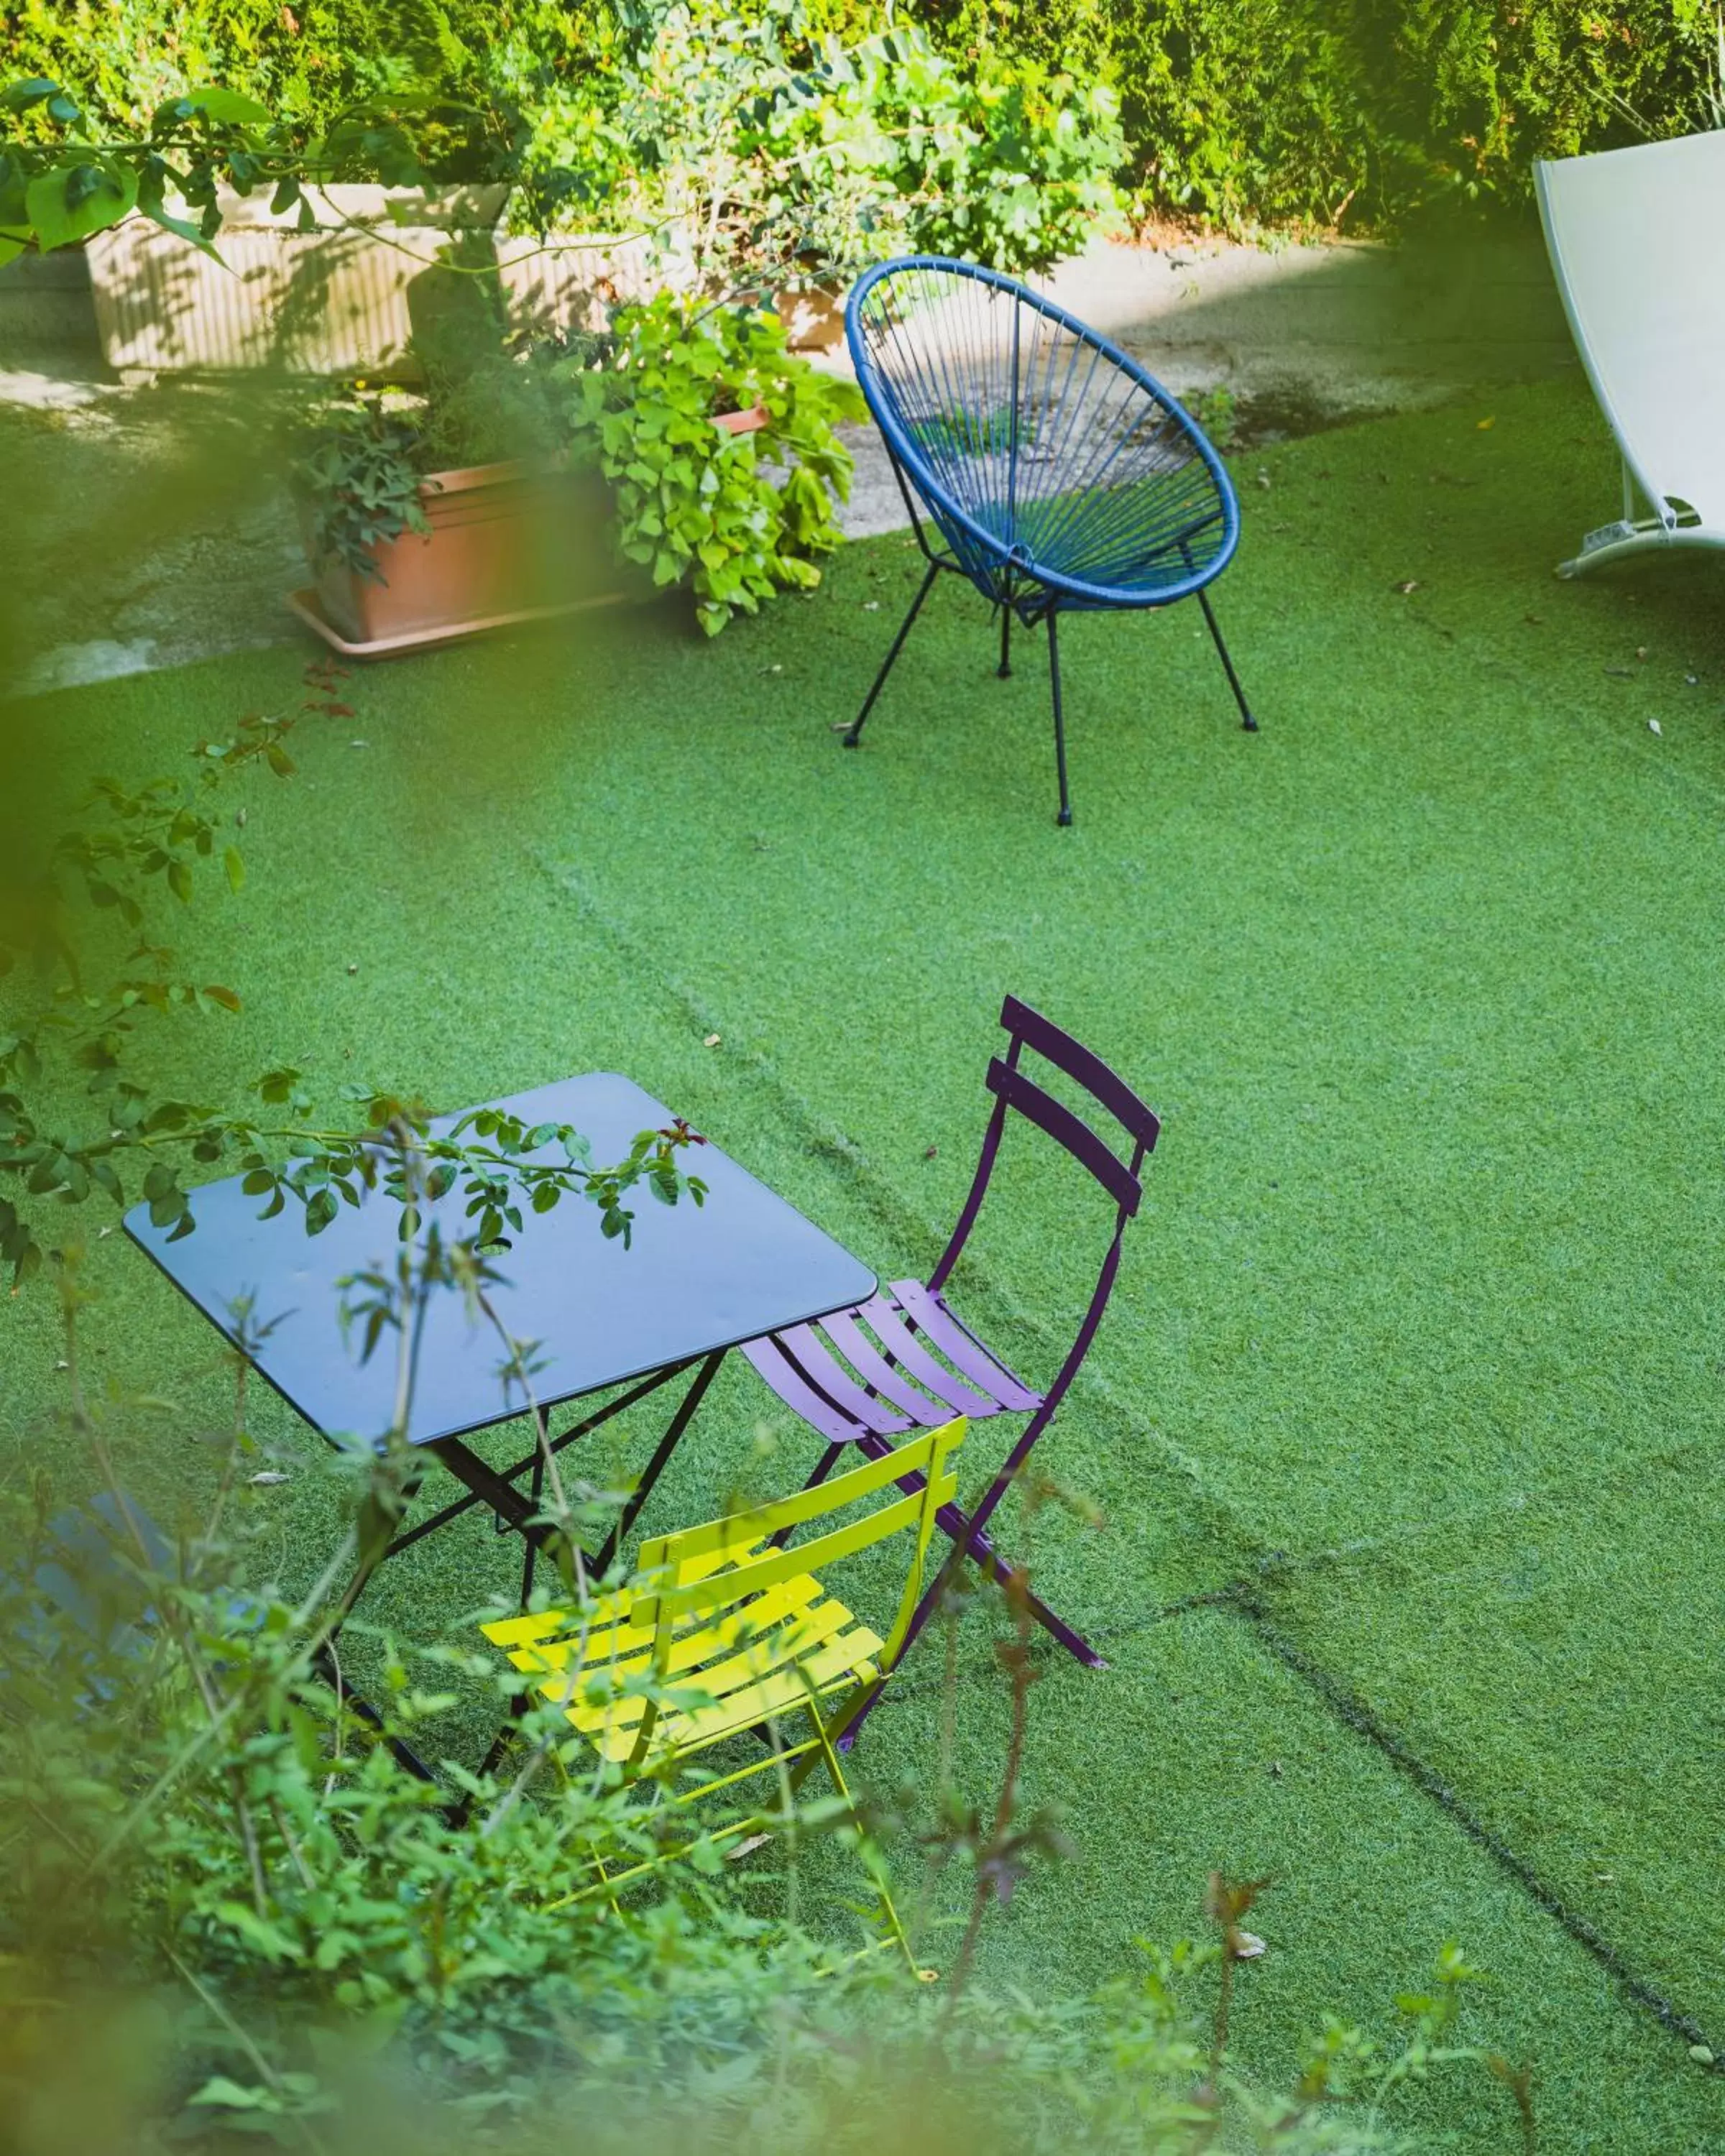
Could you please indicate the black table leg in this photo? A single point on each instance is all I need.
(585, 1428)
(326, 1665)
(518, 1512)
(656, 1466)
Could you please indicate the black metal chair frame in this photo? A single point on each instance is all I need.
(1003, 570)
(861, 1377)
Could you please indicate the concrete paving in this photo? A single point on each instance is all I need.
(1302, 337)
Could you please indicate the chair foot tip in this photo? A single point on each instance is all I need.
(1064, 818)
(1249, 725)
(852, 741)
(1003, 673)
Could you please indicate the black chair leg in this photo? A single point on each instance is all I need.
(1246, 719)
(1004, 669)
(1054, 673)
(887, 665)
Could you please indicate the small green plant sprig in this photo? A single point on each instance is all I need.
(692, 502)
(63, 178)
(135, 843)
(358, 475)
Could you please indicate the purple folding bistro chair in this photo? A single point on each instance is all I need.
(905, 1359)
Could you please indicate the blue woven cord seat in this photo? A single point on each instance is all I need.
(1037, 459)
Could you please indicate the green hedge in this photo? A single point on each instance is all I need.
(304, 58)
(1279, 112)
(1309, 112)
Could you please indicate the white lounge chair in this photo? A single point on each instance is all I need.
(1637, 240)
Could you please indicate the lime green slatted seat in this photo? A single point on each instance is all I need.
(720, 1631)
(755, 1661)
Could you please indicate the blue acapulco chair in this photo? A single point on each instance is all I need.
(1058, 476)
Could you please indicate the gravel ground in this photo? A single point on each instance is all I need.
(160, 533)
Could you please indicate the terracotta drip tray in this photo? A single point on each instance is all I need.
(305, 606)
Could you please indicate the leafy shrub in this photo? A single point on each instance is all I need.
(308, 62)
(1238, 111)
(999, 161)
(751, 147)
(1488, 91)
(691, 502)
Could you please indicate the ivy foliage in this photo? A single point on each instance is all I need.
(752, 145)
(694, 502)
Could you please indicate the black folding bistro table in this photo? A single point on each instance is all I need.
(695, 1282)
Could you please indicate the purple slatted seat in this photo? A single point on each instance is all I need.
(907, 1358)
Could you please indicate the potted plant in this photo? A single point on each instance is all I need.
(680, 448)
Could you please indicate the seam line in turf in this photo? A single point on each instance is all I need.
(1238, 1600)
(1238, 1597)
(901, 1218)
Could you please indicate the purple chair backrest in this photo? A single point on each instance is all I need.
(1014, 1088)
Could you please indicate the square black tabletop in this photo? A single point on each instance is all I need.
(695, 1279)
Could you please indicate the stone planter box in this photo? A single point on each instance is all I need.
(330, 301)
(560, 284)
(46, 307)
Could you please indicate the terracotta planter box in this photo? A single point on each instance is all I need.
(508, 545)
(814, 316)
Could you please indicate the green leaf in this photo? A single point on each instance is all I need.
(182, 227)
(228, 107)
(68, 203)
(257, 1931)
(232, 2096)
(236, 869)
(20, 97)
(179, 881)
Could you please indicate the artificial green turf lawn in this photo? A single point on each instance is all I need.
(1416, 1329)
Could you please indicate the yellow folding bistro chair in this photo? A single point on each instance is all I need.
(722, 1631)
